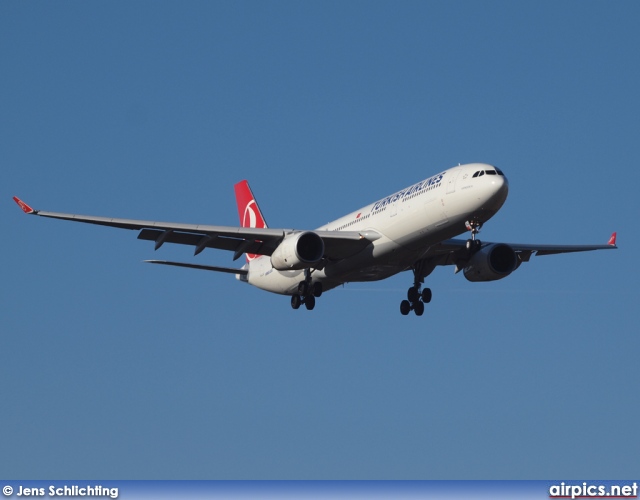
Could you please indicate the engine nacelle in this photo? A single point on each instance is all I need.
(493, 262)
(298, 251)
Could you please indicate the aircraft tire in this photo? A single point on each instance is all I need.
(426, 295)
(296, 301)
(310, 302)
(413, 295)
(418, 308)
(317, 289)
(303, 288)
(473, 246)
(405, 307)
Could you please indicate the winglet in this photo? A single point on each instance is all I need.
(25, 208)
(612, 240)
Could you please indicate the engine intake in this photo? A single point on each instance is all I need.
(493, 262)
(298, 251)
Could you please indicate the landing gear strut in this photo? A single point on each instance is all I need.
(307, 292)
(416, 298)
(472, 244)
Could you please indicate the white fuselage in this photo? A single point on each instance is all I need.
(408, 223)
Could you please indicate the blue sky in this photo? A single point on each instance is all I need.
(153, 110)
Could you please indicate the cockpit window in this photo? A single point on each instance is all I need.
(480, 173)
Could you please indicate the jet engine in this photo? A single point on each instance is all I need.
(493, 262)
(298, 251)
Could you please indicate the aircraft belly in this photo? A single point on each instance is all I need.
(379, 261)
(374, 273)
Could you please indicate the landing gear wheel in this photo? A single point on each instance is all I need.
(405, 307)
(412, 294)
(317, 289)
(310, 302)
(303, 288)
(426, 295)
(473, 245)
(296, 301)
(418, 308)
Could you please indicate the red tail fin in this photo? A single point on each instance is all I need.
(248, 210)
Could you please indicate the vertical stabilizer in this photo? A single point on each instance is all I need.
(248, 210)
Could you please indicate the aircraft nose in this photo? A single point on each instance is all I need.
(495, 188)
(500, 187)
(502, 184)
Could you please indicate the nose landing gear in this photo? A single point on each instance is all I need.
(472, 244)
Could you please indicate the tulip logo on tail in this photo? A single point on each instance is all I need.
(250, 218)
(248, 210)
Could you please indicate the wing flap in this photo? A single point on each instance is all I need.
(206, 240)
(193, 239)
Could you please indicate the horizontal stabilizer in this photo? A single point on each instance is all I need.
(229, 270)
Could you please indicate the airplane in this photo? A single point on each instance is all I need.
(410, 230)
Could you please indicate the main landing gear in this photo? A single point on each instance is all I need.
(417, 298)
(416, 302)
(307, 292)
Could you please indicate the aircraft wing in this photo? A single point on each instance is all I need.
(456, 244)
(555, 249)
(454, 252)
(262, 241)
